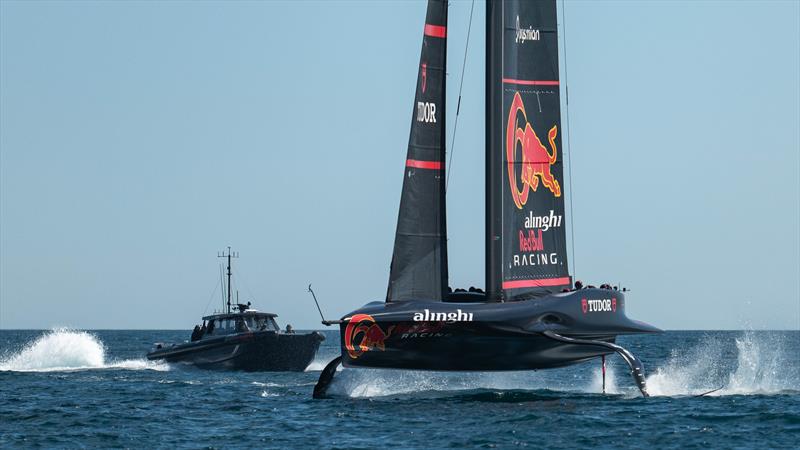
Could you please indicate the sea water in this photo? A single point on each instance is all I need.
(70, 388)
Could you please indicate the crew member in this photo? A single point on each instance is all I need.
(196, 333)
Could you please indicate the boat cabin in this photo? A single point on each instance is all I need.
(238, 322)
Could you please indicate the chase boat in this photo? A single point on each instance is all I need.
(530, 317)
(242, 338)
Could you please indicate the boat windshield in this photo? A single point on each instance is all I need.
(239, 324)
(263, 324)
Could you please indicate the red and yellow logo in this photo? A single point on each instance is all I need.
(535, 159)
(362, 334)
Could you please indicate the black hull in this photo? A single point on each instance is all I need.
(553, 331)
(486, 336)
(252, 351)
(486, 352)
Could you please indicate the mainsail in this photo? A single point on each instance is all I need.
(419, 261)
(526, 250)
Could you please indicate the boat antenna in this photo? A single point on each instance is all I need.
(222, 287)
(569, 141)
(458, 108)
(324, 322)
(229, 255)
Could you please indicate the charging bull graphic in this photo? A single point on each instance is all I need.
(363, 334)
(535, 159)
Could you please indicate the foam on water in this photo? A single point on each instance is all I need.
(319, 363)
(62, 349)
(752, 363)
(387, 382)
(257, 383)
(762, 367)
(381, 382)
(596, 384)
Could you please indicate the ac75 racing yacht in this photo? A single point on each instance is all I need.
(529, 316)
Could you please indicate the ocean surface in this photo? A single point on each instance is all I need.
(71, 388)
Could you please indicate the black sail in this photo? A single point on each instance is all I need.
(526, 246)
(419, 261)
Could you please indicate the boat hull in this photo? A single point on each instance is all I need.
(485, 336)
(251, 351)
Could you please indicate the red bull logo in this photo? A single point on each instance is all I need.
(535, 160)
(362, 334)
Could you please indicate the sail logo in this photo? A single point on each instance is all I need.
(362, 334)
(426, 112)
(449, 317)
(531, 242)
(535, 159)
(424, 76)
(526, 34)
(543, 222)
(600, 305)
(534, 259)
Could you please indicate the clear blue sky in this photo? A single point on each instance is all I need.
(139, 138)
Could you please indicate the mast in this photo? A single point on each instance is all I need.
(229, 255)
(526, 251)
(494, 159)
(419, 261)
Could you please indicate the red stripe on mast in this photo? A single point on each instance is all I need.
(417, 164)
(535, 283)
(435, 31)
(531, 82)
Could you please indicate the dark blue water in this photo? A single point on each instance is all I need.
(94, 389)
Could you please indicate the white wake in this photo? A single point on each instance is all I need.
(751, 363)
(387, 382)
(763, 365)
(64, 350)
